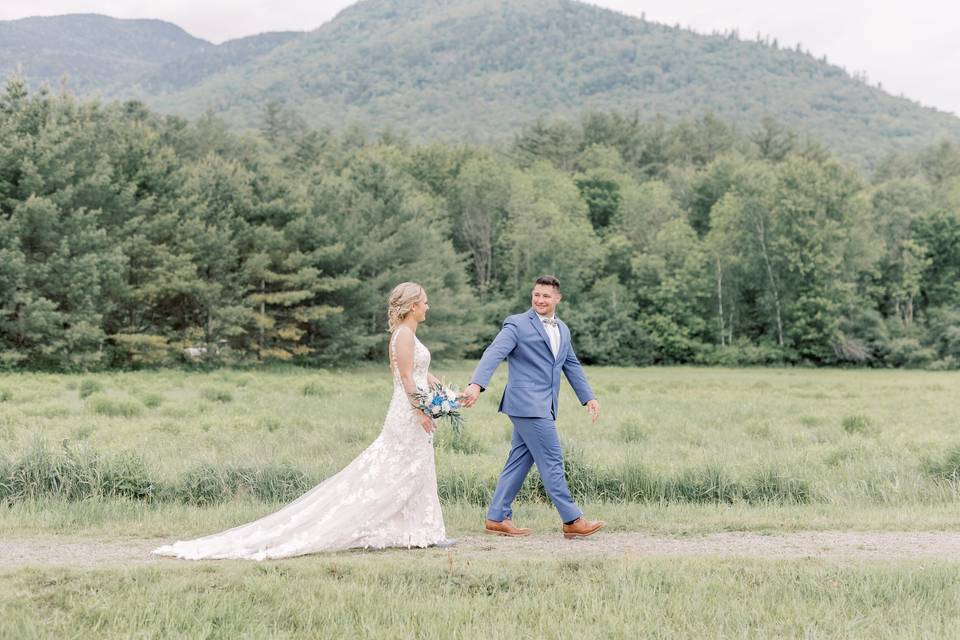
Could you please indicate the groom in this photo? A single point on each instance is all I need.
(536, 345)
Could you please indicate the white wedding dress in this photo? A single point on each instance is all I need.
(386, 497)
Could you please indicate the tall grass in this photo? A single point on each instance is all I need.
(638, 483)
(671, 436)
(209, 484)
(76, 472)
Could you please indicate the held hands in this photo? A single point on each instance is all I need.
(472, 392)
(470, 395)
(593, 408)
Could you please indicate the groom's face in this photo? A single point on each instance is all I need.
(545, 299)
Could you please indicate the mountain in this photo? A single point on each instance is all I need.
(93, 51)
(116, 57)
(193, 68)
(481, 69)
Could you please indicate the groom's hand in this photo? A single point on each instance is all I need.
(471, 394)
(593, 408)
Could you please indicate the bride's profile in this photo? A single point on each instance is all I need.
(386, 497)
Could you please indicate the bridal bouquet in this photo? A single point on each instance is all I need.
(440, 402)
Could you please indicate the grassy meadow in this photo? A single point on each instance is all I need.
(678, 451)
(425, 595)
(782, 439)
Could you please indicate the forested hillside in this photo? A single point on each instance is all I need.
(99, 55)
(480, 70)
(92, 52)
(193, 68)
(127, 236)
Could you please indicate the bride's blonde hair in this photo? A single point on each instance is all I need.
(401, 300)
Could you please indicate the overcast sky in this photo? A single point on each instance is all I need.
(910, 47)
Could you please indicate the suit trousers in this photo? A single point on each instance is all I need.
(535, 440)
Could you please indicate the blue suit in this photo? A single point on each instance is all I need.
(530, 399)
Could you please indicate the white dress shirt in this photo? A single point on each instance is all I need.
(553, 332)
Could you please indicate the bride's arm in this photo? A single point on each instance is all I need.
(401, 356)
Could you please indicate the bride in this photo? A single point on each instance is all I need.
(386, 497)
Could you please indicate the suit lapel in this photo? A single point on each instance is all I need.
(564, 338)
(538, 325)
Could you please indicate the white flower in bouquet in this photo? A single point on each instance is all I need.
(440, 402)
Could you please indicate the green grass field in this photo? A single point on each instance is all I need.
(423, 596)
(678, 452)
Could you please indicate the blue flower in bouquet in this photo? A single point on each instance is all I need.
(440, 402)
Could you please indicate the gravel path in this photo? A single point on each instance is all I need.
(838, 546)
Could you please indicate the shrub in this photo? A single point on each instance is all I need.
(82, 433)
(908, 352)
(944, 364)
(464, 443)
(6, 395)
(741, 353)
(217, 395)
(141, 349)
(769, 486)
(243, 381)
(89, 387)
(152, 400)
(857, 424)
(947, 469)
(461, 486)
(114, 407)
(944, 333)
(631, 430)
(314, 388)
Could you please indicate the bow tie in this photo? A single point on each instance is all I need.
(550, 322)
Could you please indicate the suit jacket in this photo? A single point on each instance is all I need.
(533, 383)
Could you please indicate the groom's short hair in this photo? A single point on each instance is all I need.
(550, 281)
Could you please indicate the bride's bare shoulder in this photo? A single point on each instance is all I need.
(402, 336)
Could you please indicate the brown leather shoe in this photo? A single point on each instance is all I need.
(504, 528)
(581, 528)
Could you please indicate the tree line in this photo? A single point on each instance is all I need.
(130, 239)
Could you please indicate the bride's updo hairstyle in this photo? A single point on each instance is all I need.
(401, 300)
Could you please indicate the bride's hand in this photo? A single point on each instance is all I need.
(427, 422)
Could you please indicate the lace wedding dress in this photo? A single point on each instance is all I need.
(386, 497)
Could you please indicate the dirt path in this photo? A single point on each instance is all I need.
(835, 546)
